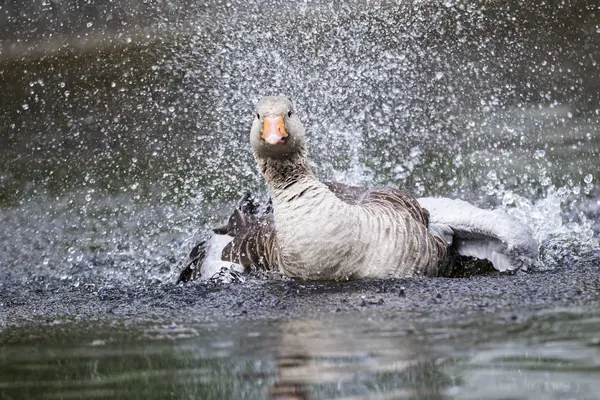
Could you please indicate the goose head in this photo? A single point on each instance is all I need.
(276, 132)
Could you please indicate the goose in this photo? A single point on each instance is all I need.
(316, 230)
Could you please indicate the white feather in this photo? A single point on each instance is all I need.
(212, 263)
(483, 234)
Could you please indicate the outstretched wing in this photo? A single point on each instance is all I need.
(192, 269)
(483, 234)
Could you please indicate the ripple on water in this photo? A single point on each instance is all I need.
(334, 357)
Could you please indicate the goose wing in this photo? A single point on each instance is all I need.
(464, 228)
(483, 234)
(246, 239)
(253, 241)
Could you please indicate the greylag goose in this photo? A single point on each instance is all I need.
(329, 231)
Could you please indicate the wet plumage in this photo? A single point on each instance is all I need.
(320, 230)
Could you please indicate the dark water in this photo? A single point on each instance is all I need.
(118, 154)
(553, 355)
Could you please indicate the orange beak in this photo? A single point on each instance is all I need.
(273, 130)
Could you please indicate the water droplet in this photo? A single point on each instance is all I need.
(25, 106)
(89, 24)
(539, 154)
(439, 75)
(171, 109)
(415, 152)
(588, 178)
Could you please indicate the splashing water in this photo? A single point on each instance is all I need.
(119, 163)
(561, 242)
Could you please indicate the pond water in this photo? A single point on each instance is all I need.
(552, 355)
(118, 155)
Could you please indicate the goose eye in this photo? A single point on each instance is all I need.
(289, 113)
(258, 115)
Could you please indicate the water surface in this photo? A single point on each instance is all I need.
(553, 355)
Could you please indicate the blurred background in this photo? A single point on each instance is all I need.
(154, 98)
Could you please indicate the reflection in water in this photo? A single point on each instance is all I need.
(300, 359)
(316, 357)
(552, 355)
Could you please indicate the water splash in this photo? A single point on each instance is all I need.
(121, 161)
(565, 234)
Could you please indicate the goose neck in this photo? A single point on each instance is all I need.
(281, 173)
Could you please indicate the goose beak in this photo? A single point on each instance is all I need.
(274, 130)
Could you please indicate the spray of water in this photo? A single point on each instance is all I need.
(468, 101)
